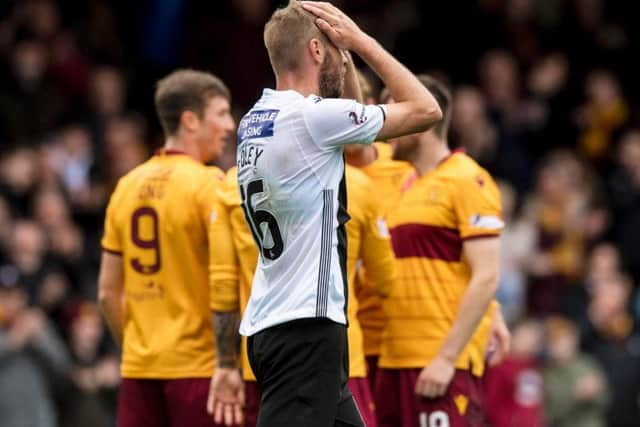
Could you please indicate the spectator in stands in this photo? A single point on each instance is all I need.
(92, 396)
(557, 209)
(610, 335)
(548, 85)
(107, 99)
(28, 253)
(512, 115)
(575, 386)
(624, 191)
(34, 359)
(514, 389)
(471, 128)
(30, 101)
(603, 263)
(125, 145)
(518, 244)
(19, 178)
(5, 228)
(604, 113)
(72, 158)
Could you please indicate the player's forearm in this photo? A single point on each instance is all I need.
(382, 268)
(402, 83)
(112, 309)
(227, 338)
(475, 302)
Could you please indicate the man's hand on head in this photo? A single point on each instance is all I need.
(339, 28)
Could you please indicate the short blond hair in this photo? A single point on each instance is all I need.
(287, 33)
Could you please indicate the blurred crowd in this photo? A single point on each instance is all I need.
(544, 98)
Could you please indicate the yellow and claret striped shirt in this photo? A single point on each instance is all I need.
(387, 176)
(163, 220)
(437, 212)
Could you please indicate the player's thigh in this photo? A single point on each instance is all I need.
(141, 404)
(187, 402)
(348, 413)
(363, 398)
(459, 407)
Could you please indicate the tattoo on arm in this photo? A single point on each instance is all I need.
(225, 325)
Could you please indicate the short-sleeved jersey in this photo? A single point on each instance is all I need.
(291, 180)
(369, 244)
(387, 176)
(158, 219)
(369, 248)
(456, 201)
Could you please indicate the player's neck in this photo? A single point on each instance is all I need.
(360, 155)
(190, 148)
(307, 85)
(431, 153)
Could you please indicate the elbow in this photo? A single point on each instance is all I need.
(491, 282)
(105, 297)
(391, 276)
(430, 114)
(435, 113)
(384, 290)
(486, 283)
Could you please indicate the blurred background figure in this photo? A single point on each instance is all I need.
(602, 263)
(514, 389)
(576, 392)
(519, 240)
(471, 128)
(610, 335)
(557, 210)
(91, 396)
(603, 114)
(34, 358)
(624, 192)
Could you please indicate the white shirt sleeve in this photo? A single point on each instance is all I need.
(335, 122)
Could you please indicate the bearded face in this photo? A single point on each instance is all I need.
(332, 72)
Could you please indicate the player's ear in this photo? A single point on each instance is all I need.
(189, 121)
(317, 50)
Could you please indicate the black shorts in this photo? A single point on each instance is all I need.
(302, 368)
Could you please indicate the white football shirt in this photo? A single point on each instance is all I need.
(291, 179)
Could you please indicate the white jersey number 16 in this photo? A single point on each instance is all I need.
(272, 247)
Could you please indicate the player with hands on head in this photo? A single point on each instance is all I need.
(291, 180)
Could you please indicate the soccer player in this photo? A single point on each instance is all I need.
(162, 227)
(246, 259)
(290, 174)
(386, 176)
(369, 246)
(445, 232)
